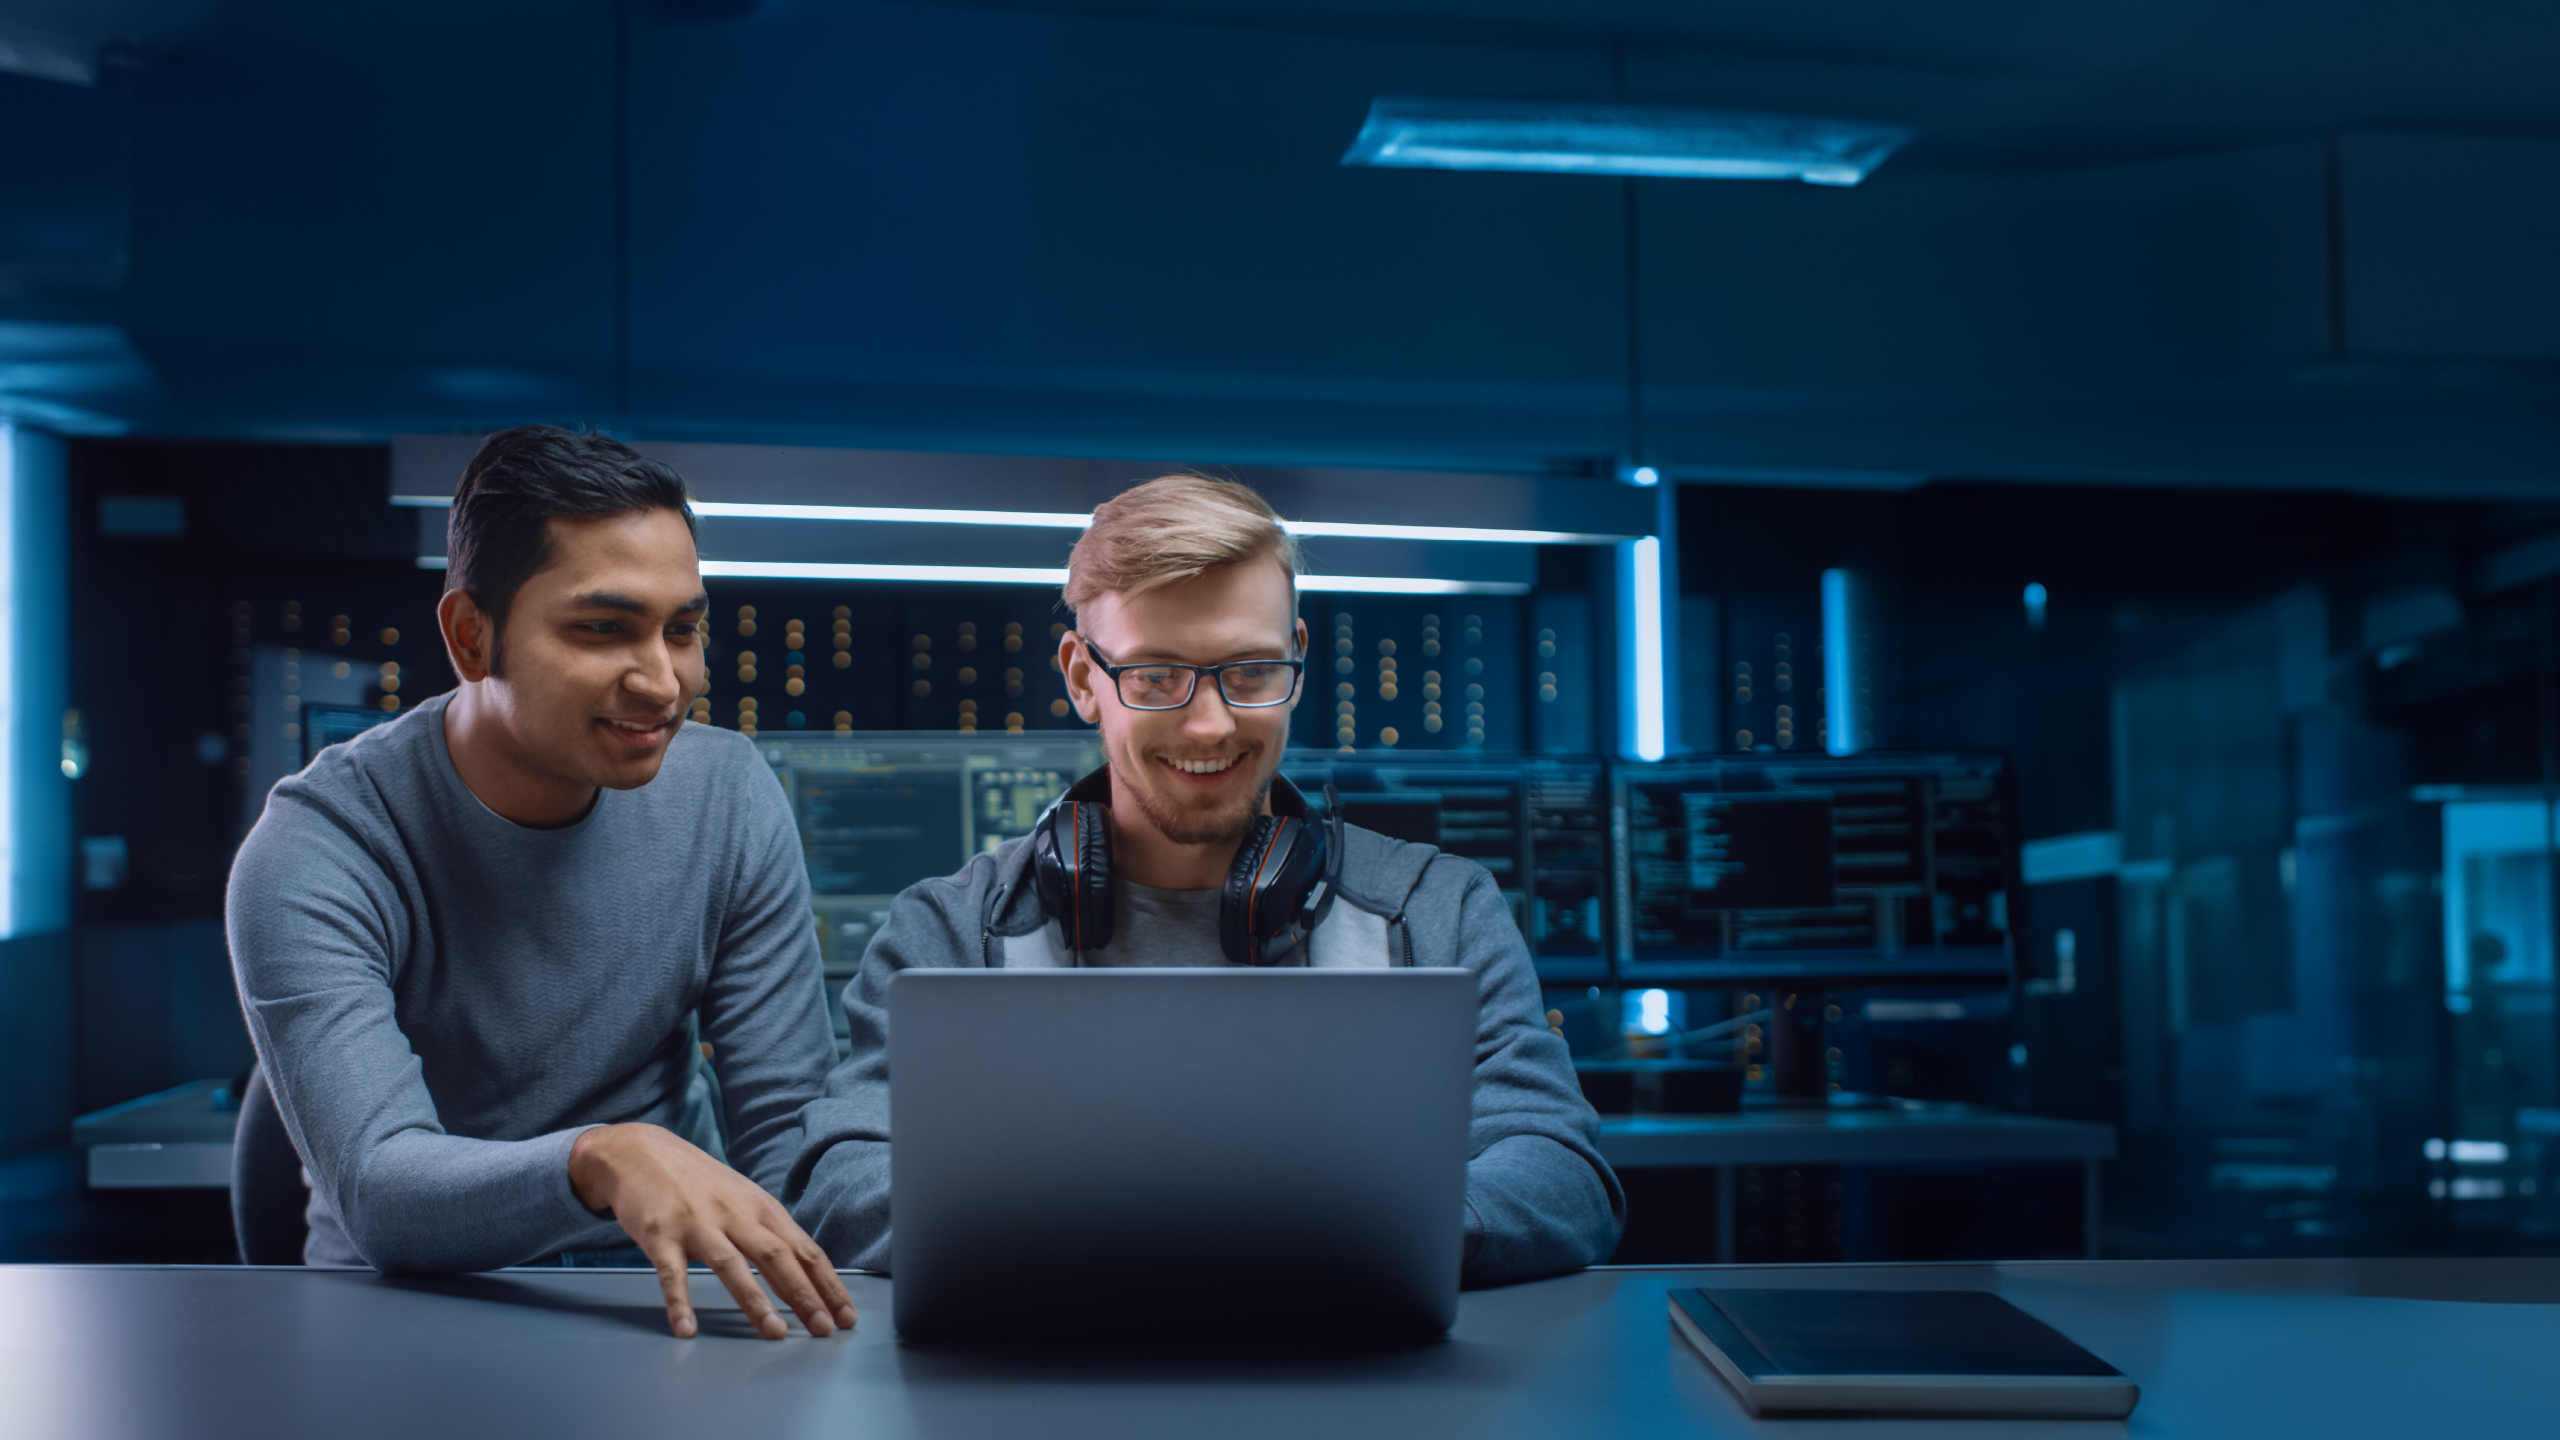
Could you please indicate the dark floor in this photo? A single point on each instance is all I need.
(48, 1216)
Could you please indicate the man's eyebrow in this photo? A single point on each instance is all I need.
(616, 600)
(1153, 656)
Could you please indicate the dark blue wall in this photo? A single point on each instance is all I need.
(1015, 228)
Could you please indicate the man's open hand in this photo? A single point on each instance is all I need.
(680, 1206)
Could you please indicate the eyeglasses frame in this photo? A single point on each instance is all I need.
(1213, 673)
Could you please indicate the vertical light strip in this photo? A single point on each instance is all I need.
(12, 615)
(1645, 576)
(1839, 665)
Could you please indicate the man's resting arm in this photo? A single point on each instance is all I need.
(839, 1191)
(312, 924)
(764, 1007)
(1540, 1200)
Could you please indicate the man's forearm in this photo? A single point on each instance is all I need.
(1535, 1208)
(442, 1202)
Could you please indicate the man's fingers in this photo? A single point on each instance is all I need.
(790, 1280)
(831, 1291)
(674, 1287)
(809, 1261)
(732, 1269)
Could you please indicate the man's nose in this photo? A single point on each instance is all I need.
(654, 677)
(1209, 717)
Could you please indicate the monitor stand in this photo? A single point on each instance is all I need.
(1797, 1072)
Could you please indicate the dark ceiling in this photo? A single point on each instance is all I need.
(1995, 82)
(2194, 241)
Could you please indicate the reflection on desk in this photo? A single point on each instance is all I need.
(2220, 1348)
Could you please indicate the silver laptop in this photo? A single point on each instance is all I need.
(1086, 1154)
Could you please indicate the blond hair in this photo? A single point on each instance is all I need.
(1171, 529)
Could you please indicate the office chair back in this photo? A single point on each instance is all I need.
(267, 1194)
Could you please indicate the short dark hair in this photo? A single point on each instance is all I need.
(499, 535)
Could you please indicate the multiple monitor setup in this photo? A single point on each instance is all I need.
(1794, 874)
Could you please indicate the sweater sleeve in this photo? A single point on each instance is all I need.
(839, 1190)
(315, 923)
(764, 1004)
(1540, 1200)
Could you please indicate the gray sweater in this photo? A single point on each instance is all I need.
(443, 999)
(1539, 1199)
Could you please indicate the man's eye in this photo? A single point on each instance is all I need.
(603, 627)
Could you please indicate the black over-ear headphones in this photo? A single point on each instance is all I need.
(1278, 891)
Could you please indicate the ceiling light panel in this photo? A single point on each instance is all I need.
(1620, 140)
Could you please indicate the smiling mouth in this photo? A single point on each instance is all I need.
(640, 732)
(1218, 766)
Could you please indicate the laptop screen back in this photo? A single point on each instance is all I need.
(1085, 1153)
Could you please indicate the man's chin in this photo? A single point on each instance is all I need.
(1192, 824)
(623, 768)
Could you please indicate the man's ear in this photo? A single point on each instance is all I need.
(1075, 662)
(468, 640)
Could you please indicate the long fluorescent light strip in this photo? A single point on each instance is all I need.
(1648, 627)
(1060, 520)
(1839, 665)
(10, 718)
(1026, 575)
(1030, 575)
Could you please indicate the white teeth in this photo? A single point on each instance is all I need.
(1203, 767)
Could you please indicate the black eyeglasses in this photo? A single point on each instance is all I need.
(1160, 685)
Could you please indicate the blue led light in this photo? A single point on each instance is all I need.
(1644, 475)
(1839, 663)
(1620, 140)
(2035, 598)
(1651, 718)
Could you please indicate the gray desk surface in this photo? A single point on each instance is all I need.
(2233, 1348)
(1849, 1137)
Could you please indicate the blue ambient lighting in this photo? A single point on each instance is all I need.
(1620, 140)
(1644, 475)
(2035, 598)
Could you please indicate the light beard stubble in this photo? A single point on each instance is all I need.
(1215, 829)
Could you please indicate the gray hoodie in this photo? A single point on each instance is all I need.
(1539, 1198)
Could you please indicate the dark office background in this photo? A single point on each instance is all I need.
(2232, 326)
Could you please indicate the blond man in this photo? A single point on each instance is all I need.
(1187, 654)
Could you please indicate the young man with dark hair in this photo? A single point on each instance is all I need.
(471, 941)
(1185, 654)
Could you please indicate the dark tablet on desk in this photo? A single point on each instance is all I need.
(1939, 1352)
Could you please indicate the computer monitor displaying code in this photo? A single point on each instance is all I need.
(1539, 825)
(1854, 870)
(879, 811)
